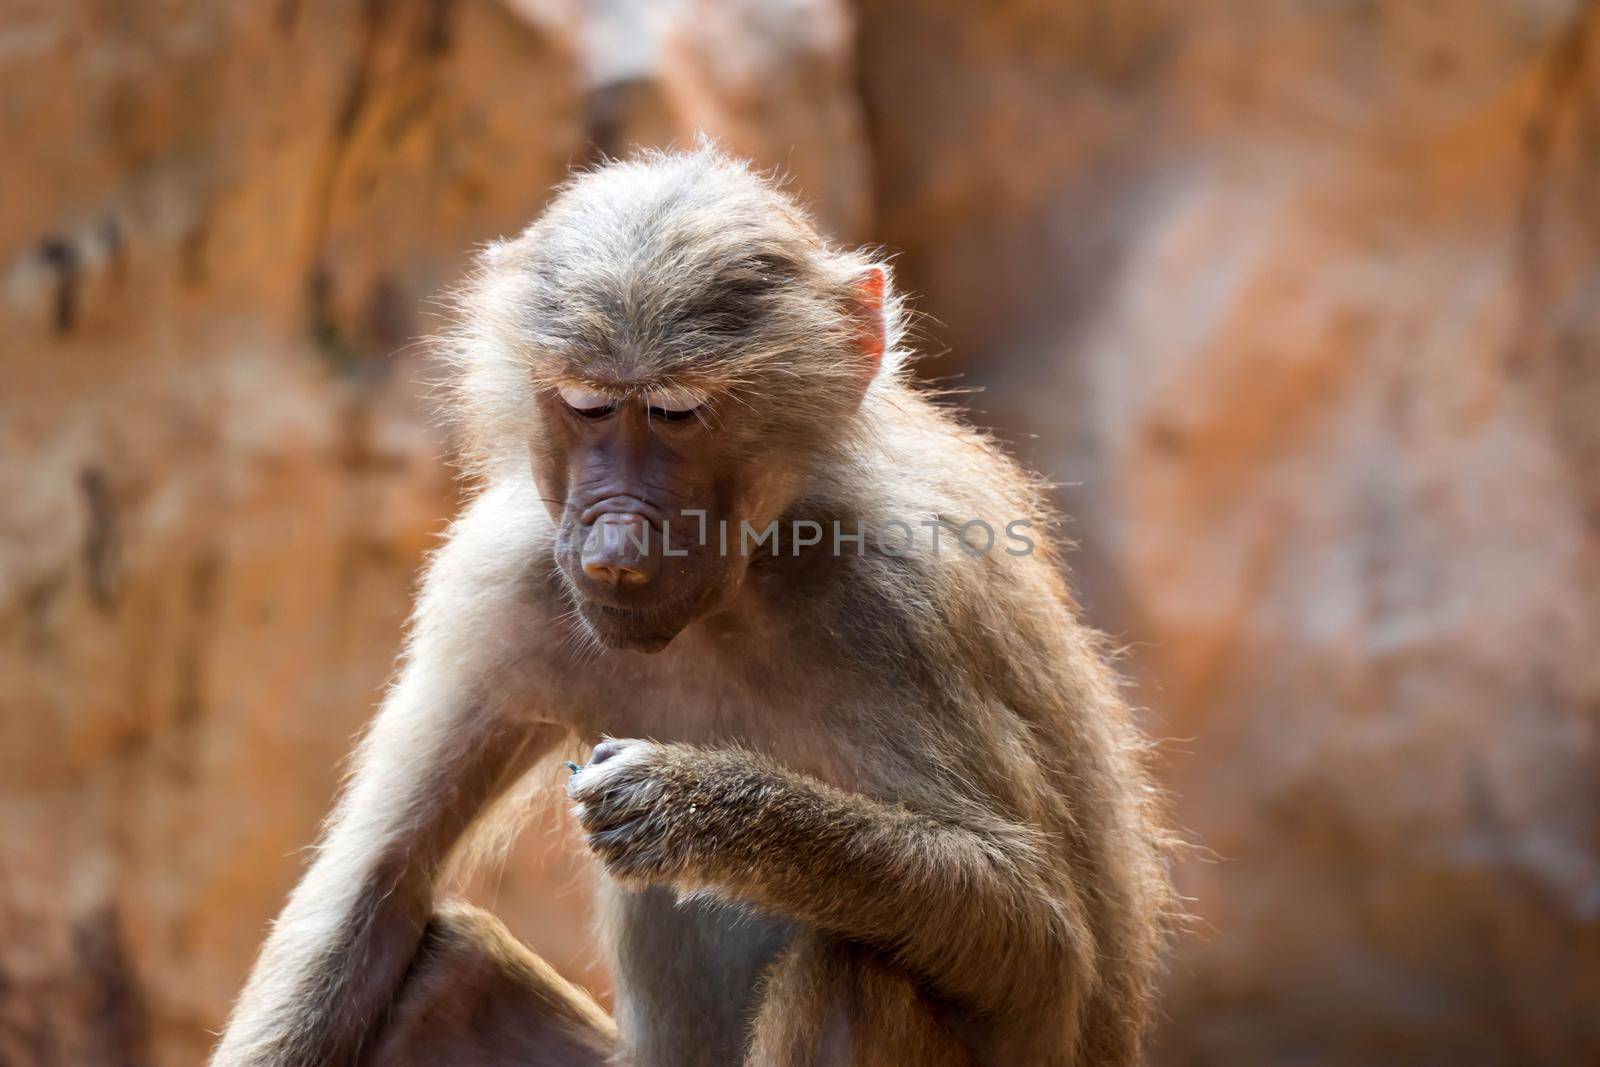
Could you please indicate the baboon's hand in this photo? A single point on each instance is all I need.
(651, 812)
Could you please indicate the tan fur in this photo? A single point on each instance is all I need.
(825, 1001)
(476, 997)
(892, 809)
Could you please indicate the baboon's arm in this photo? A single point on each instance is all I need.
(964, 898)
(450, 737)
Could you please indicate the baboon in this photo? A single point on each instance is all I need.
(863, 788)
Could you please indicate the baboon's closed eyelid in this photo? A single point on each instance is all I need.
(675, 402)
(583, 398)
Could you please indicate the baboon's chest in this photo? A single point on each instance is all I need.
(792, 708)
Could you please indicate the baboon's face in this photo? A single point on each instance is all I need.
(695, 349)
(642, 493)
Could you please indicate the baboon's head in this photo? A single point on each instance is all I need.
(675, 350)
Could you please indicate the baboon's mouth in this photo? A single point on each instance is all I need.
(648, 628)
(606, 603)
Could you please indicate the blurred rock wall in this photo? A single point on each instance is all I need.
(1304, 299)
(1297, 300)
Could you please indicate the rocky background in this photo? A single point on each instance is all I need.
(1299, 301)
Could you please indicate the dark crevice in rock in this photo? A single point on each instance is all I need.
(61, 256)
(438, 29)
(101, 544)
(320, 282)
(1556, 345)
(1560, 96)
(382, 319)
(118, 1020)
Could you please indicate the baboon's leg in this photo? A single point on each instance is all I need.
(825, 1003)
(477, 997)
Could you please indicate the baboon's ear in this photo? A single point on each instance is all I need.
(871, 312)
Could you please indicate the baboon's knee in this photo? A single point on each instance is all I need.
(475, 995)
(827, 1003)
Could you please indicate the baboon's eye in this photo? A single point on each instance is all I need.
(673, 405)
(587, 402)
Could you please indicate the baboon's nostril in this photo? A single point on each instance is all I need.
(616, 551)
(612, 575)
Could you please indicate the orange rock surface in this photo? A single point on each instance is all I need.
(1300, 302)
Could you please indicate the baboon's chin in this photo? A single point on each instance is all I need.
(646, 643)
(632, 630)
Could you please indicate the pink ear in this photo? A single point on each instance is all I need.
(871, 287)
